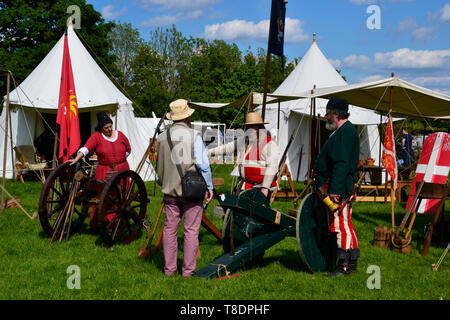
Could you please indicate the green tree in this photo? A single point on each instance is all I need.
(157, 68)
(125, 43)
(29, 29)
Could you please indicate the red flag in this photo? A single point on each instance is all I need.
(388, 158)
(67, 118)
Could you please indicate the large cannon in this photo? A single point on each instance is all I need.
(69, 192)
(251, 227)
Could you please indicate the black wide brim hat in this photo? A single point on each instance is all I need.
(102, 120)
(338, 104)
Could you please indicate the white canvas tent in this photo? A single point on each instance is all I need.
(39, 93)
(314, 70)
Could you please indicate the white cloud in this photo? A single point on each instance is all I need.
(167, 20)
(249, 31)
(407, 25)
(442, 15)
(413, 59)
(445, 13)
(418, 33)
(179, 5)
(424, 34)
(109, 13)
(358, 2)
(371, 78)
(160, 21)
(432, 81)
(336, 63)
(356, 61)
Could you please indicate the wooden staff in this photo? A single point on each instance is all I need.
(427, 243)
(59, 218)
(69, 210)
(411, 207)
(18, 204)
(147, 250)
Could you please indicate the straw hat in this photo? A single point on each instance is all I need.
(253, 118)
(179, 110)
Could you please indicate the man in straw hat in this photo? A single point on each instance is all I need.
(257, 155)
(335, 173)
(188, 152)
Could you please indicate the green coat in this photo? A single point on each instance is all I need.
(338, 161)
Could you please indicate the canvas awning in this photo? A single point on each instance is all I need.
(245, 100)
(407, 99)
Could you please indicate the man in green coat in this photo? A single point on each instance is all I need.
(335, 171)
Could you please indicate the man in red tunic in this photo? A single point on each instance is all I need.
(112, 148)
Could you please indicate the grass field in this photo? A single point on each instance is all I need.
(31, 268)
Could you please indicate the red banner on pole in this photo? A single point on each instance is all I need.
(67, 117)
(388, 157)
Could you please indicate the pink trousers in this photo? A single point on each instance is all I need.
(192, 211)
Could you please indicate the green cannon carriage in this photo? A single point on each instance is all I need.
(251, 227)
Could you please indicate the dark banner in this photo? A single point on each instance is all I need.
(277, 26)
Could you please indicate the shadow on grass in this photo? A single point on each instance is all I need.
(289, 259)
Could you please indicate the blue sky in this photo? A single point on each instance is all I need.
(413, 40)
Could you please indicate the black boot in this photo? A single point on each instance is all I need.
(342, 267)
(353, 255)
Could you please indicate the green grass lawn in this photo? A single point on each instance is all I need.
(31, 268)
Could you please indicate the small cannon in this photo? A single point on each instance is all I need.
(69, 192)
(251, 227)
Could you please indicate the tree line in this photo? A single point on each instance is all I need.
(151, 73)
(170, 65)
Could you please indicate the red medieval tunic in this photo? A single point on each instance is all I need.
(111, 156)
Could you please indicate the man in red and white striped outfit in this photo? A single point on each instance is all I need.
(335, 178)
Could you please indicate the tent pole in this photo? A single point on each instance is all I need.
(5, 149)
(266, 78)
(11, 141)
(55, 145)
(318, 132)
(379, 149)
(278, 124)
(310, 134)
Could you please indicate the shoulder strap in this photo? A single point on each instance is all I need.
(169, 140)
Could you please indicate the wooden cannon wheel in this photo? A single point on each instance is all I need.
(316, 244)
(53, 200)
(122, 208)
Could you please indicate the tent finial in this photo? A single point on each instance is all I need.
(392, 74)
(314, 37)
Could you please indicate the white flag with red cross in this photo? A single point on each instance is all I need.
(433, 166)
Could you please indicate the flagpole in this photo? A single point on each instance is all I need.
(393, 185)
(266, 77)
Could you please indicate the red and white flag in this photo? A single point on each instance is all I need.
(433, 167)
(67, 117)
(388, 157)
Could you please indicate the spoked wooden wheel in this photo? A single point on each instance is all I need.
(56, 211)
(122, 208)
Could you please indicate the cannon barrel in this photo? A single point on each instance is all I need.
(251, 226)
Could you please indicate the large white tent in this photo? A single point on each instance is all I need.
(38, 94)
(314, 70)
